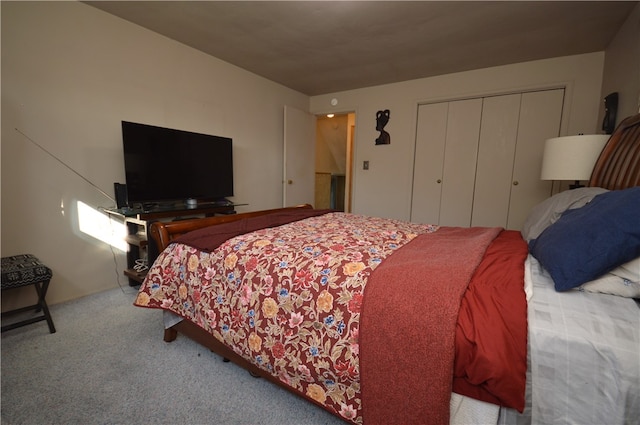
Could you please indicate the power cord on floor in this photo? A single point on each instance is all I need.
(141, 265)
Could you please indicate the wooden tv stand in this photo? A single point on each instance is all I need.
(138, 221)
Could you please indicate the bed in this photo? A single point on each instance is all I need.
(457, 325)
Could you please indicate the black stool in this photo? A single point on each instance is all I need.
(23, 270)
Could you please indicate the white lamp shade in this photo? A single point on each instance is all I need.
(571, 157)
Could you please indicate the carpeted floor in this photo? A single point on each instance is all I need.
(107, 364)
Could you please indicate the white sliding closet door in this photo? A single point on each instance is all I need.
(477, 161)
(540, 118)
(496, 152)
(445, 162)
(460, 157)
(429, 162)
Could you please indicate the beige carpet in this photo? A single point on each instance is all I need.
(107, 364)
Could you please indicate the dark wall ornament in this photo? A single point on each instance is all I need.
(382, 118)
(610, 112)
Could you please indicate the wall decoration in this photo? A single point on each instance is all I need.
(610, 112)
(382, 118)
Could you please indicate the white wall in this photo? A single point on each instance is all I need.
(385, 189)
(622, 68)
(70, 74)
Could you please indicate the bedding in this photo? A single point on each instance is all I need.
(583, 348)
(584, 357)
(291, 299)
(491, 342)
(587, 242)
(623, 281)
(550, 210)
(437, 268)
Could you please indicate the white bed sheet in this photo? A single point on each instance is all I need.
(584, 353)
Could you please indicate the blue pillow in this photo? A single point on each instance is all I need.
(592, 240)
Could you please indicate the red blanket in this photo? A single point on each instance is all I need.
(408, 326)
(209, 238)
(491, 334)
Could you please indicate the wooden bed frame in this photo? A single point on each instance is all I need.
(618, 167)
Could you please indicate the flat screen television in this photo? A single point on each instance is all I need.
(164, 165)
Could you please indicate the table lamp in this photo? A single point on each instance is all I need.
(571, 157)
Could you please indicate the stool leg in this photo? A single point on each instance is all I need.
(42, 292)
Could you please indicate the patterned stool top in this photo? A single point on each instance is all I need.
(22, 270)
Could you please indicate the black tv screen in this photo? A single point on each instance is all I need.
(163, 165)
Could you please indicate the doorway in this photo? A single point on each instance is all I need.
(334, 159)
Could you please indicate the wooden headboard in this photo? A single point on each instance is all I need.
(618, 166)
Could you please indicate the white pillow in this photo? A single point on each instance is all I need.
(629, 271)
(623, 281)
(549, 211)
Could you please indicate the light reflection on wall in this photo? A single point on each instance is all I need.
(101, 226)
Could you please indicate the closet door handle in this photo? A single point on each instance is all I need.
(515, 183)
(439, 181)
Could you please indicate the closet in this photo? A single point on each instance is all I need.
(477, 161)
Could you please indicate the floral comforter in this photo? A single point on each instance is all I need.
(287, 297)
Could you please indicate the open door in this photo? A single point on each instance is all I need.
(299, 157)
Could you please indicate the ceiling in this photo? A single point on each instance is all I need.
(319, 47)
